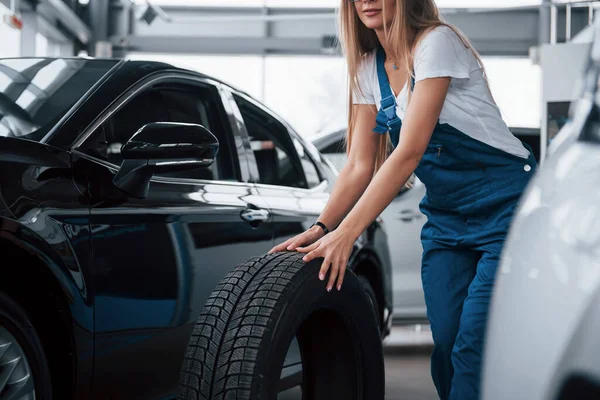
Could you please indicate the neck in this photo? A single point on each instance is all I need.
(389, 47)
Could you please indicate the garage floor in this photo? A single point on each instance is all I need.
(407, 353)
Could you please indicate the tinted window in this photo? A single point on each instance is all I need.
(275, 153)
(335, 148)
(36, 93)
(310, 170)
(169, 103)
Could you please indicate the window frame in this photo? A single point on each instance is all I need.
(165, 77)
(293, 135)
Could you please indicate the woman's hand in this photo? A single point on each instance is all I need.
(335, 248)
(306, 238)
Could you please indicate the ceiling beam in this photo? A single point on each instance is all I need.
(56, 12)
(308, 31)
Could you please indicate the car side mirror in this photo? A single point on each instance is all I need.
(161, 147)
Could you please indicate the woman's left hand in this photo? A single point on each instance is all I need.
(335, 248)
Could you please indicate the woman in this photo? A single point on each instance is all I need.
(417, 82)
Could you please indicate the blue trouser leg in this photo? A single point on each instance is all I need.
(468, 348)
(446, 275)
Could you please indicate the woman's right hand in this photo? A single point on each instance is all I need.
(304, 239)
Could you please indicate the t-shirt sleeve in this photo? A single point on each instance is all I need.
(441, 53)
(363, 93)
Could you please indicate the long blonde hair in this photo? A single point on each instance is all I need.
(413, 18)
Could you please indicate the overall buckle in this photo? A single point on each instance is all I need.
(388, 105)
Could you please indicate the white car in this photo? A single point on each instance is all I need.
(543, 334)
(402, 221)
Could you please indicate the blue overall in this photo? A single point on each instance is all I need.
(472, 192)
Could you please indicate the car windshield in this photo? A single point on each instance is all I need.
(35, 93)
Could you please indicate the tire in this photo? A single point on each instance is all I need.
(241, 339)
(18, 338)
(372, 297)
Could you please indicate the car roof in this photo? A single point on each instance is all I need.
(140, 67)
(158, 65)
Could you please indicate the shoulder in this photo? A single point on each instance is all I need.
(367, 66)
(440, 39)
(365, 79)
(442, 53)
(442, 33)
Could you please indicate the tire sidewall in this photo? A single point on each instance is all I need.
(16, 321)
(308, 294)
(370, 291)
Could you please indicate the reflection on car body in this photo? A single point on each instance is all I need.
(133, 270)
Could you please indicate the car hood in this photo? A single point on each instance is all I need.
(549, 273)
(27, 152)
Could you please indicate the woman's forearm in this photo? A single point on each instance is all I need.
(348, 188)
(386, 184)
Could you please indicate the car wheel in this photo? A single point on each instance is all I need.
(372, 298)
(270, 330)
(24, 371)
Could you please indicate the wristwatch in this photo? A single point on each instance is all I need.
(322, 225)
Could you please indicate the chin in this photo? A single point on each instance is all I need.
(375, 25)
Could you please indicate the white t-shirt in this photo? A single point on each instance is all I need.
(468, 106)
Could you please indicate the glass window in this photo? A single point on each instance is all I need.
(486, 3)
(315, 100)
(36, 93)
(310, 170)
(223, 67)
(517, 87)
(332, 3)
(338, 147)
(275, 153)
(169, 103)
(205, 3)
(11, 37)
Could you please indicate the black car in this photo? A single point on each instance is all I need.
(128, 191)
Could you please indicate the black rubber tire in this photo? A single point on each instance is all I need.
(241, 338)
(15, 320)
(372, 297)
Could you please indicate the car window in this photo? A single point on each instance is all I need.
(169, 102)
(310, 169)
(337, 147)
(335, 153)
(35, 93)
(275, 153)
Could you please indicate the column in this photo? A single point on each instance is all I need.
(28, 33)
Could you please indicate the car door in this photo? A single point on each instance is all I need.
(285, 172)
(403, 221)
(157, 259)
(295, 189)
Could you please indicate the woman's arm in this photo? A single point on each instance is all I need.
(351, 182)
(417, 127)
(358, 170)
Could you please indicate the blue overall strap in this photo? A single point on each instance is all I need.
(387, 119)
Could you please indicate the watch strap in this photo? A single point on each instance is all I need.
(322, 225)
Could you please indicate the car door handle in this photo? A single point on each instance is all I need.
(253, 215)
(405, 215)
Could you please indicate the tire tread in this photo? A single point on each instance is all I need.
(232, 325)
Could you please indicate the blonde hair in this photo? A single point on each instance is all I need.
(412, 19)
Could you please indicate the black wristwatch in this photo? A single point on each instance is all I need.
(322, 225)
